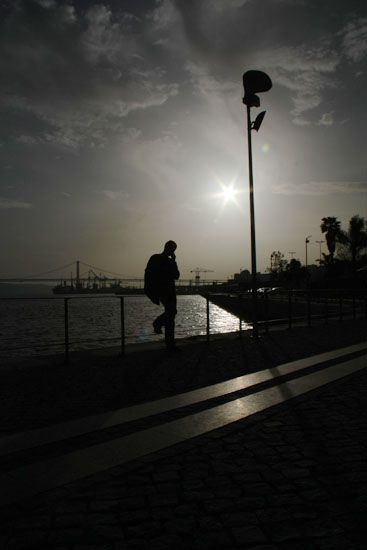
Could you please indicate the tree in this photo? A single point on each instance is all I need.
(331, 227)
(354, 240)
(295, 273)
(278, 263)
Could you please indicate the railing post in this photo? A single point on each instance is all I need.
(309, 308)
(326, 310)
(66, 328)
(239, 313)
(207, 320)
(266, 313)
(354, 304)
(340, 307)
(122, 325)
(289, 309)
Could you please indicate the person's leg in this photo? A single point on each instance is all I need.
(159, 322)
(170, 311)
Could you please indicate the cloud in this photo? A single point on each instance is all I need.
(80, 74)
(355, 39)
(114, 195)
(26, 140)
(305, 72)
(6, 204)
(320, 188)
(221, 5)
(161, 161)
(327, 119)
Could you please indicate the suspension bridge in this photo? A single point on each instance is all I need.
(80, 277)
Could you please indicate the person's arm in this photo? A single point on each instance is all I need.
(174, 268)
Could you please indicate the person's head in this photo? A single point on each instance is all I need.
(169, 248)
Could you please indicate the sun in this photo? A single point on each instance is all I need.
(228, 194)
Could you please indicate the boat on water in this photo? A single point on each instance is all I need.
(64, 288)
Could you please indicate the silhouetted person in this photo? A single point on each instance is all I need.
(160, 275)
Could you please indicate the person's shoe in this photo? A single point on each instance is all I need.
(157, 329)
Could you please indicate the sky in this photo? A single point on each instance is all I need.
(122, 126)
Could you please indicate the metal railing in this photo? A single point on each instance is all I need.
(290, 307)
(300, 307)
(67, 343)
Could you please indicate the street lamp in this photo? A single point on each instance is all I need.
(254, 82)
(319, 243)
(306, 243)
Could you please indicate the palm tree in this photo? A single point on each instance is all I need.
(331, 227)
(355, 238)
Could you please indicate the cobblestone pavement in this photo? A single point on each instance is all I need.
(41, 392)
(294, 477)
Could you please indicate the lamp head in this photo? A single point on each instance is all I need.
(255, 82)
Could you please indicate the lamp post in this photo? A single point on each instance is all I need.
(253, 82)
(306, 243)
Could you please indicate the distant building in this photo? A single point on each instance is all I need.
(244, 277)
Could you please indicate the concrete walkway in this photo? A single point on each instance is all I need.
(273, 459)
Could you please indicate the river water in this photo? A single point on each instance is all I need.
(36, 326)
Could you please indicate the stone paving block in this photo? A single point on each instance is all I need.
(163, 500)
(337, 543)
(272, 514)
(210, 523)
(104, 533)
(315, 495)
(69, 520)
(192, 484)
(239, 518)
(105, 546)
(246, 477)
(285, 489)
(132, 503)
(252, 502)
(27, 541)
(34, 521)
(132, 517)
(249, 535)
(161, 513)
(186, 510)
(295, 473)
(66, 507)
(166, 489)
(138, 479)
(141, 490)
(197, 496)
(145, 530)
(166, 476)
(257, 489)
(180, 526)
(66, 536)
(218, 505)
(230, 493)
(214, 539)
(135, 544)
(97, 518)
(104, 505)
(280, 532)
(168, 542)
